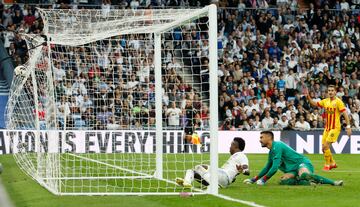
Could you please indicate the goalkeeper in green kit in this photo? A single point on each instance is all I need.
(297, 168)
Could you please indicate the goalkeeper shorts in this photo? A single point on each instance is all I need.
(306, 165)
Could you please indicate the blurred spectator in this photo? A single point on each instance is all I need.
(105, 7)
(276, 125)
(299, 53)
(355, 117)
(267, 60)
(302, 124)
(267, 121)
(173, 115)
(283, 122)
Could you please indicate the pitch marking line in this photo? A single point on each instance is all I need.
(332, 171)
(248, 203)
(343, 171)
(4, 199)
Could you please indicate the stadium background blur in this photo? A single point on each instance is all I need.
(270, 54)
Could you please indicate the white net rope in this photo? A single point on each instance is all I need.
(31, 107)
(97, 73)
(76, 27)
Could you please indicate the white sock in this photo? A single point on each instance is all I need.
(189, 176)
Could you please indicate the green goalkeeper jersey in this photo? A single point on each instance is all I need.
(282, 157)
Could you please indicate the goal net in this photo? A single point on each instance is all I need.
(117, 102)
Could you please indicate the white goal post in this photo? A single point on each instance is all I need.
(105, 99)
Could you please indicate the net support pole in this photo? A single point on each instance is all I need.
(213, 68)
(158, 106)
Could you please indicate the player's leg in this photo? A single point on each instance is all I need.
(288, 179)
(331, 138)
(304, 168)
(198, 174)
(327, 155)
(202, 175)
(187, 138)
(187, 142)
(206, 167)
(306, 172)
(190, 176)
(187, 180)
(223, 179)
(326, 150)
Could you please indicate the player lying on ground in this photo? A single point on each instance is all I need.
(236, 164)
(297, 168)
(334, 107)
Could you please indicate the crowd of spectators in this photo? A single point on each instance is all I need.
(110, 84)
(269, 57)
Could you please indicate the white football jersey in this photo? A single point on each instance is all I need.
(229, 167)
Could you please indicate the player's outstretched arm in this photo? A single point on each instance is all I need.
(270, 169)
(276, 161)
(312, 102)
(274, 168)
(265, 174)
(261, 174)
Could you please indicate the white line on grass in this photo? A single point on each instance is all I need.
(4, 200)
(332, 171)
(265, 160)
(342, 171)
(248, 203)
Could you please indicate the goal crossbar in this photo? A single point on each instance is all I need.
(102, 29)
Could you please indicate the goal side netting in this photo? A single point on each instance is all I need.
(117, 102)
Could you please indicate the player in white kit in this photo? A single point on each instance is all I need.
(237, 164)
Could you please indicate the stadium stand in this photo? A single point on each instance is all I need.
(270, 54)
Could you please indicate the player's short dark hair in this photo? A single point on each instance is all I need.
(331, 83)
(241, 143)
(270, 133)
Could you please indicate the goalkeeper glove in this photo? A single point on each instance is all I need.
(251, 181)
(261, 181)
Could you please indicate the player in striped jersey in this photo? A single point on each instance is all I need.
(334, 107)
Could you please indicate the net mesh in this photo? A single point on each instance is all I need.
(96, 73)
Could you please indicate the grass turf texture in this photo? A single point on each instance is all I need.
(26, 192)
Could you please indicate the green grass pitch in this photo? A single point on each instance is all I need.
(27, 193)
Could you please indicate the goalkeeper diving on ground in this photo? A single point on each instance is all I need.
(297, 168)
(237, 164)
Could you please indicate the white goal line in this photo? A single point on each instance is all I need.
(99, 178)
(248, 203)
(4, 199)
(131, 194)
